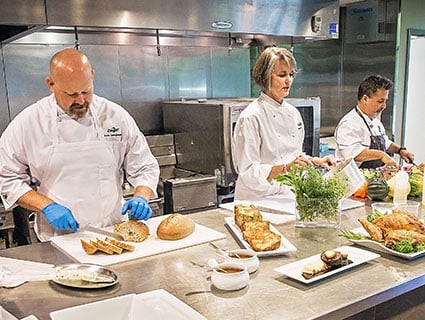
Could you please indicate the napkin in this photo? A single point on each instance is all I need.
(14, 272)
(5, 315)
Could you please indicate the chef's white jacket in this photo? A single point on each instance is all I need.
(266, 134)
(26, 143)
(352, 135)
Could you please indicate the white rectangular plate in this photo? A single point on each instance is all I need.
(151, 305)
(285, 245)
(377, 246)
(294, 270)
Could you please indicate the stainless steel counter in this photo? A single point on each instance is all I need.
(268, 296)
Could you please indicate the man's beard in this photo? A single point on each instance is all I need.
(77, 110)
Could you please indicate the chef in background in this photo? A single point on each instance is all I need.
(360, 134)
(269, 134)
(75, 146)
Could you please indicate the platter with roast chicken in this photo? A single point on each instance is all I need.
(397, 232)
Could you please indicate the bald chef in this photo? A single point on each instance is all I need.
(64, 156)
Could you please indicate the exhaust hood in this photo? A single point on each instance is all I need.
(238, 20)
(21, 17)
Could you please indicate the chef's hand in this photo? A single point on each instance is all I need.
(388, 161)
(326, 162)
(407, 156)
(138, 207)
(60, 217)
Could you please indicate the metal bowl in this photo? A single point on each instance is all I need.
(70, 275)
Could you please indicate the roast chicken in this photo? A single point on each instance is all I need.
(395, 227)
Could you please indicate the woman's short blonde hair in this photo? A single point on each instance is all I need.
(263, 69)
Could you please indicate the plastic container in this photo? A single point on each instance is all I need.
(348, 171)
(423, 189)
(401, 187)
(411, 207)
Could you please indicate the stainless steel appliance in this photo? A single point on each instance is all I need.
(203, 131)
(189, 192)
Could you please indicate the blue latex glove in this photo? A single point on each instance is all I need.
(60, 217)
(138, 207)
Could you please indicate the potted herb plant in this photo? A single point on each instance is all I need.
(317, 197)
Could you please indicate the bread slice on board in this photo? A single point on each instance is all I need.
(101, 247)
(88, 247)
(120, 244)
(109, 245)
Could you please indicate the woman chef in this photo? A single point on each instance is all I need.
(269, 134)
(75, 146)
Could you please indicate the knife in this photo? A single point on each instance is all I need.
(411, 162)
(102, 231)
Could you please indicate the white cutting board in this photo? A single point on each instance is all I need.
(71, 246)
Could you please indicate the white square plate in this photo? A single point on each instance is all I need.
(294, 270)
(152, 305)
(377, 246)
(285, 245)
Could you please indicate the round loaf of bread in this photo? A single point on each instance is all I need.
(174, 227)
(132, 230)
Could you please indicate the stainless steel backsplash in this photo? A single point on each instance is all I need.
(136, 77)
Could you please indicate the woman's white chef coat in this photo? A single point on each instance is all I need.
(352, 135)
(266, 134)
(109, 138)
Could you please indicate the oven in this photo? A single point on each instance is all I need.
(203, 131)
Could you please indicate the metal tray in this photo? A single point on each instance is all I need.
(103, 277)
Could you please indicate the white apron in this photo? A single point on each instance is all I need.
(84, 177)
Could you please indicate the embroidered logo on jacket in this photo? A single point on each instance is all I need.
(113, 132)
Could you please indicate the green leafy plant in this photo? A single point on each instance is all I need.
(316, 196)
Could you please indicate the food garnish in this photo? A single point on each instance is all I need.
(374, 215)
(348, 234)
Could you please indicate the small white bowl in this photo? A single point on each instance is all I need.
(247, 257)
(236, 277)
